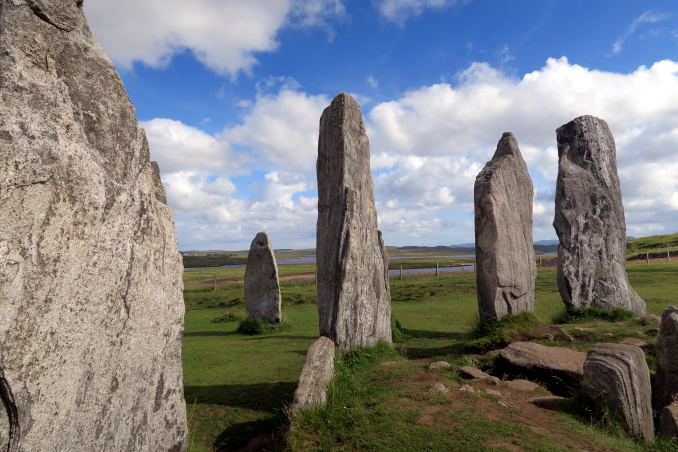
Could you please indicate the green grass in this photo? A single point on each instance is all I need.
(651, 244)
(239, 386)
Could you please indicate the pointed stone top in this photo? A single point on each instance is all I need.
(261, 239)
(508, 145)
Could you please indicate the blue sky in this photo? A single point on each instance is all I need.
(230, 93)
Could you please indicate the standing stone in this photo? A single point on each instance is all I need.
(617, 377)
(354, 297)
(262, 288)
(317, 372)
(506, 269)
(668, 420)
(666, 381)
(590, 220)
(91, 308)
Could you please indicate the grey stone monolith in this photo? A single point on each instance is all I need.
(616, 376)
(668, 420)
(91, 305)
(262, 287)
(590, 220)
(505, 265)
(666, 350)
(354, 297)
(317, 372)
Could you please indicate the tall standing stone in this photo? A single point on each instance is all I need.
(616, 376)
(590, 220)
(666, 382)
(262, 287)
(91, 308)
(505, 265)
(354, 297)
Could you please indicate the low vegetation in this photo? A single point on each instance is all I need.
(238, 387)
(652, 244)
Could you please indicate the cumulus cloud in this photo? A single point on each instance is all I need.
(398, 11)
(223, 35)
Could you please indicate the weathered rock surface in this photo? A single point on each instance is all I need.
(506, 269)
(559, 369)
(590, 220)
(554, 403)
(438, 365)
(617, 376)
(666, 382)
(522, 385)
(91, 308)
(637, 342)
(317, 372)
(354, 297)
(473, 373)
(262, 287)
(668, 420)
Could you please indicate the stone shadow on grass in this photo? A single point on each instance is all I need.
(269, 397)
(209, 333)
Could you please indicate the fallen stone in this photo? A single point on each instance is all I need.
(438, 365)
(439, 387)
(472, 373)
(566, 334)
(262, 286)
(554, 403)
(559, 369)
(467, 388)
(354, 297)
(590, 220)
(616, 376)
(636, 342)
(666, 382)
(317, 372)
(608, 335)
(493, 392)
(651, 319)
(550, 337)
(522, 385)
(583, 329)
(505, 262)
(668, 420)
(91, 314)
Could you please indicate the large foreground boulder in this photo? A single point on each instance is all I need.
(505, 263)
(666, 381)
(354, 297)
(590, 220)
(616, 376)
(317, 372)
(668, 420)
(559, 369)
(91, 308)
(262, 287)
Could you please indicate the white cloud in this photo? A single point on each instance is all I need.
(282, 129)
(398, 11)
(223, 35)
(648, 17)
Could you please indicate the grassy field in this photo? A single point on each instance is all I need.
(651, 244)
(238, 387)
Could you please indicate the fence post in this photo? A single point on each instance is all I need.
(540, 262)
(668, 255)
(215, 282)
(401, 272)
(647, 256)
(436, 269)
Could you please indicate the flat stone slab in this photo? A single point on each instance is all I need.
(522, 385)
(438, 365)
(637, 342)
(554, 403)
(317, 372)
(473, 373)
(559, 369)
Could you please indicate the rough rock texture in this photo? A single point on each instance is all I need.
(473, 373)
(262, 287)
(666, 382)
(354, 297)
(317, 372)
(590, 220)
(617, 376)
(559, 369)
(506, 269)
(91, 308)
(668, 420)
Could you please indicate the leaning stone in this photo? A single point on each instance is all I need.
(438, 365)
(554, 403)
(522, 385)
(354, 297)
(317, 372)
(506, 269)
(590, 220)
(668, 420)
(666, 383)
(616, 376)
(91, 313)
(262, 287)
(472, 373)
(559, 369)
